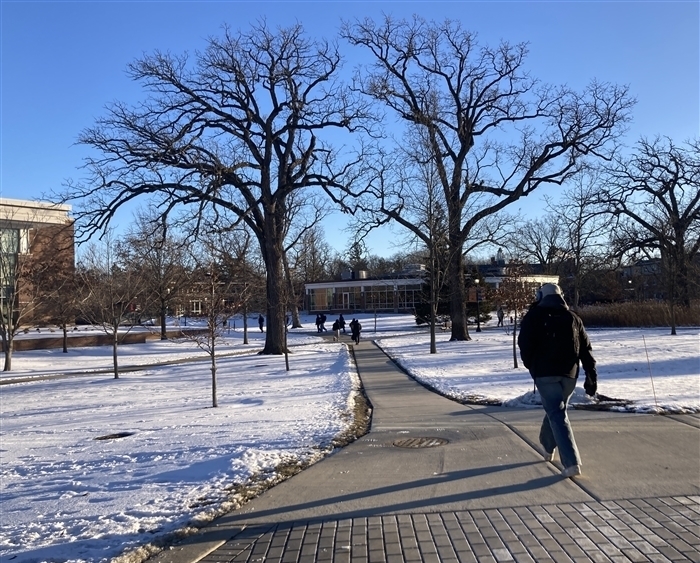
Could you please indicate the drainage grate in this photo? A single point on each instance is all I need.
(420, 442)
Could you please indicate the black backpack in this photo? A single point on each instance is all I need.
(559, 341)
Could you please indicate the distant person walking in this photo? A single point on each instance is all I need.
(355, 328)
(261, 322)
(499, 314)
(341, 321)
(552, 340)
(323, 323)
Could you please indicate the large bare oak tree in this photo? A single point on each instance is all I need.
(496, 134)
(655, 195)
(237, 130)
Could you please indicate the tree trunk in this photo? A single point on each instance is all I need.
(115, 343)
(293, 302)
(213, 374)
(433, 315)
(515, 340)
(245, 322)
(458, 308)
(276, 302)
(8, 344)
(64, 328)
(296, 320)
(434, 297)
(163, 312)
(672, 265)
(673, 305)
(682, 288)
(577, 286)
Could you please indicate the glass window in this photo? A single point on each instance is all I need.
(379, 297)
(320, 299)
(9, 245)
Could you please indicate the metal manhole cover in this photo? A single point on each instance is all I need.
(420, 442)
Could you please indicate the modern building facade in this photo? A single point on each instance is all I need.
(356, 293)
(400, 293)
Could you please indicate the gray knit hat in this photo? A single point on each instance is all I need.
(548, 289)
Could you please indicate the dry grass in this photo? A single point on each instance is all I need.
(639, 314)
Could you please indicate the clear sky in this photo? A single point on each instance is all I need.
(62, 62)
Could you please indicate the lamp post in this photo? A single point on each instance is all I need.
(478, 314)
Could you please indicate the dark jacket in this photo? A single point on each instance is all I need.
(545, 353)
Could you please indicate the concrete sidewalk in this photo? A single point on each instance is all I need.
(438, 481)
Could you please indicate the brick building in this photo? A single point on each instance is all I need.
(37, 250)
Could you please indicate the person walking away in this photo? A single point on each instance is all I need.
(318, 322)
(552, 341)
(323, 322)
(341, 320)
(336, 331)
(355, 328)
(499, 314)
(261, 322)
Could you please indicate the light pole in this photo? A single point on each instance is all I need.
(478, 314)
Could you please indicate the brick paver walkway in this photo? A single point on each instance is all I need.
(656, 530)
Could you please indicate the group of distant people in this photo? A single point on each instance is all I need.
(321, 319)
(338, 325)
(321, 323)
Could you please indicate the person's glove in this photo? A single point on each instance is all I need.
(590, 385)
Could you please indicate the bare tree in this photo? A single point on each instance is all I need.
(516, 294)
(584, 232)
(109, 291)
(238, 132)
(312, 256)
(424, 215)
(214, 286)
(18, 299)
(495, 133)
(239, 271)
(305, 212)
(541, 240)
(380, 266)
(59, 299)
(438, 252)
(152, 247)
(655, 196)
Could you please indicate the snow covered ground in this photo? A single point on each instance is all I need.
(69, 496)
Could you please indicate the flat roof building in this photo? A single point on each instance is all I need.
(37, 249)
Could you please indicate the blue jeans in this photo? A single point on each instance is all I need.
(556, 429)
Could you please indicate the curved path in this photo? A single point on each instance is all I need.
(481, 492)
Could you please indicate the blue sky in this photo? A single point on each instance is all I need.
(62, 62)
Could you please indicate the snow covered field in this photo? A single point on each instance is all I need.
(648, 369)
(69, 496)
